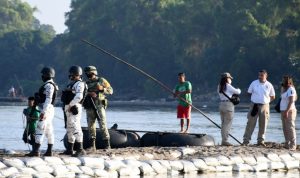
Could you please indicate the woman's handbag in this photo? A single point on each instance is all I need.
(277, 106)
(235, 99)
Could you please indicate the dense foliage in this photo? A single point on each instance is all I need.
(163, 37)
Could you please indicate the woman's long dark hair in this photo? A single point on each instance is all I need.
(287, 81)
(222, 84)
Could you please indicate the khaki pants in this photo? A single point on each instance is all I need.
(263, 115)
(289, 131)
(91, 119)
(226, 112)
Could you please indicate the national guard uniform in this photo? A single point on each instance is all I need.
(45, 99)
(72, 98)
(98, 87)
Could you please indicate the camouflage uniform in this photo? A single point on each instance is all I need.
(100, 103)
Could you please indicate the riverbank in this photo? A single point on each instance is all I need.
(153, 161)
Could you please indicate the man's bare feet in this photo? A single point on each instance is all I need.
(186, 131)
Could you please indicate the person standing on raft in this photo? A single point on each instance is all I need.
(183, 92)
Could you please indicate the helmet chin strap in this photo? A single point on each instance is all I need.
(45, 78)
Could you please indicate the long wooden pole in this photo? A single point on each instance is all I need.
(155, 80)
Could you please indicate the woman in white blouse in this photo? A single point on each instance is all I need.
(288, 112)
(226, 107)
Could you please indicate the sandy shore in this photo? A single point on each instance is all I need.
(175, 153)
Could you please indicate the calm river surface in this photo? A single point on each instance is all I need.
(145, 118)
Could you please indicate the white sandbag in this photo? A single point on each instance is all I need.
(87, 170)
(74, 168)
(92, 162)
(273, 157)
(200, 164)
(236, 159)
(31, 162)
(149, 156)
(53, 160)
(71, 161)
(13, 162)
(146, 169)
(158, 168)
(113, 174)
(42, 175)
(83, 176)
(286, 157)
(242, 167)
(101, 173)
(132, 163)
(224, 168)
(210, 169)
(225, 161)
(187, 151)
(59, 170)
(175, 154)
(2, 165)
(249, 160)
(276, 165)
(296, 156)
(129, 171)
(44, 168)
(261, 159)
(211, 161)
(291, 164)
(20, 175)
(188, 166)
(67, 175)
(27, 170)
(263, 166)
(176, 165)
(173, 173)
(8, 171)
(113, 165)
(165, 163)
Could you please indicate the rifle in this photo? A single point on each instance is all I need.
(94, 108)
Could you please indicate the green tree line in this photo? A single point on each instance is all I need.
(163, 37)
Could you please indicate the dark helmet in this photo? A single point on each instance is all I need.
(90, 69)
(48, 72)
(75, 70)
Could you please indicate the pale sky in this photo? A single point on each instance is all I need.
(51, 12)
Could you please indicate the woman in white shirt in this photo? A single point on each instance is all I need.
(288, 112)
(226, 107)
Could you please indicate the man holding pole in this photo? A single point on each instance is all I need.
(95, 104)
(183, 91)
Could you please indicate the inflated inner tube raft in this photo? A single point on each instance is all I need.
(129, 138)
(176, 139)
(118, 139)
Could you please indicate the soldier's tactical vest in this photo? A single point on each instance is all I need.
(40, 97)
(67, 95)
(93, 87)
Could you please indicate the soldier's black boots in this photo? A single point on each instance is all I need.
(49, 150)
(35, 150)
(69, 150)
(80, 151)
(92, 147)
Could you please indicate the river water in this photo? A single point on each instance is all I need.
(145, 118)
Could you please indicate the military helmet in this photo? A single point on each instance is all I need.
(75, 70)
(90, 69)
(48, 72)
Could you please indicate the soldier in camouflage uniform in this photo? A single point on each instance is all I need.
(98, 87)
